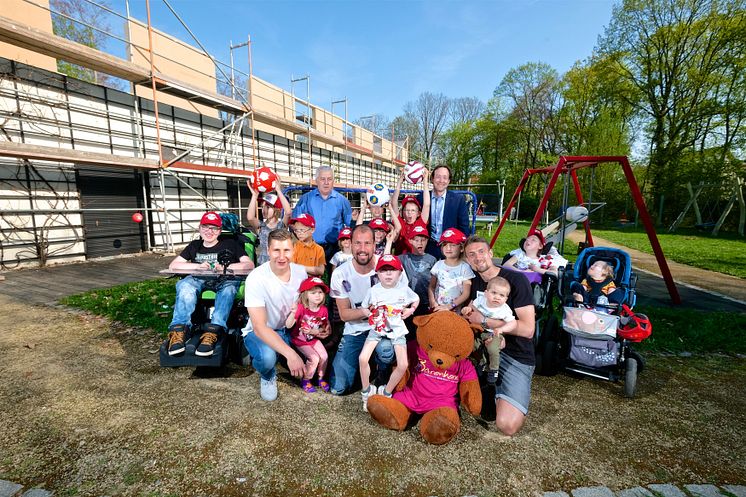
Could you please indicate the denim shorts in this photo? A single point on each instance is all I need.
(377, 337)
(514, 383)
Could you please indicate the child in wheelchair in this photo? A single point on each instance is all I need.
(209, 253)
(598, 287)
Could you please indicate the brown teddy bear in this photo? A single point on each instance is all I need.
(439, 374)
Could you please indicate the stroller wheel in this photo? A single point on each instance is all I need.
(630, 377)
(549, 359)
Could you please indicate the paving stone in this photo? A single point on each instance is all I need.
(555, 494)
(634, 492)
(37, 492)
(667, 490)
(704, 490)
(9, 489)
(737, 490)
(592, 492)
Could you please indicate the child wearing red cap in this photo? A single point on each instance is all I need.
(307, 252)
(412, 213)
(202, 255)
(450, 281)
(272, 205)
(531, 257)
(306, 319)
(389, 304)
(344, 240)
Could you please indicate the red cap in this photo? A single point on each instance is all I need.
(452, 235)
(418, 231)
(305, 220)
(389, 260)
(345, 233)
(312, 282)
(409, 199)
(272, 200)
(538, 234)
(212, 218)
(379, 224)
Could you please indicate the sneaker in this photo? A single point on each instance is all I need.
(382, 391)
(324, 385)
(268, 388)
(492, 376)
(176, 339)
(371, 391)
(307, 386)
(206, 344)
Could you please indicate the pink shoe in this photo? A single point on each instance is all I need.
(307, 386)
(324, 385)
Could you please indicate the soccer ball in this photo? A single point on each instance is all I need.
(378, 194)
(414, 171)
(263, 179)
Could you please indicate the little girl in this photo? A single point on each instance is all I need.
(272, 205)
(383, 235)
(450, 282)
(306, 320)
(344, 240)
(598, 287)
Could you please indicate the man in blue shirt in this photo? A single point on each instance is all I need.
(330, 209)
(446, 211)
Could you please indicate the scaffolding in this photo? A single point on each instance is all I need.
(230, 151)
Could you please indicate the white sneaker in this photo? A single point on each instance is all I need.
(268, 388)
(382, 391)
(368, 394)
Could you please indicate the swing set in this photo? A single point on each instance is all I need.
(710, 207)
(568, 167)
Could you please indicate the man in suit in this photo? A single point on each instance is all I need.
(446, 211)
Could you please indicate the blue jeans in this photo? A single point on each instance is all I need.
(263, 357)
(187, 293)
(345, 365)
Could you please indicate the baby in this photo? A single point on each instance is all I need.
(598, 288)
(492, 304)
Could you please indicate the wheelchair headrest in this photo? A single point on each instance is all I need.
(618, 259)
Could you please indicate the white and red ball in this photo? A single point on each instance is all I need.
(137, 217)
(378, 194)
(414, 171)
(263, 179)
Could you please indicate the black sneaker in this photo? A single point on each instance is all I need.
(492, 376)
(176, 339)
(207, 341)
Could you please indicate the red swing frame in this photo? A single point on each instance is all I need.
(570, 164)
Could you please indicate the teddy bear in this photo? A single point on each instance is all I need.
(439, 375)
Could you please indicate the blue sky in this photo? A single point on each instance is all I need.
(383, 54)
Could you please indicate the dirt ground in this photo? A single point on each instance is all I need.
(87, 411)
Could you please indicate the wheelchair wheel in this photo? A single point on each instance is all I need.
(630, 377)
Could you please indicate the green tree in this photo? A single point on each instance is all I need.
(676, 54)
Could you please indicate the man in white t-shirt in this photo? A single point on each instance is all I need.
(350, 283)
(271, 290)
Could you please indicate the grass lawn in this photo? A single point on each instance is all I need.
(149, 304)
(724, 254)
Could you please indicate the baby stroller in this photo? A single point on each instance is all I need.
(596, 339)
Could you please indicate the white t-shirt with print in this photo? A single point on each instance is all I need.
(347, 283)
(265, 289)
(450, 280)
(395, 299)
(503, 312)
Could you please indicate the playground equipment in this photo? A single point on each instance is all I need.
(568, 167)
(710, 209)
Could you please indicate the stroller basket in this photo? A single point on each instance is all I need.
(594, 353)
(587, 323)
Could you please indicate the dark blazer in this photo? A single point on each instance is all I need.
(455, 215)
